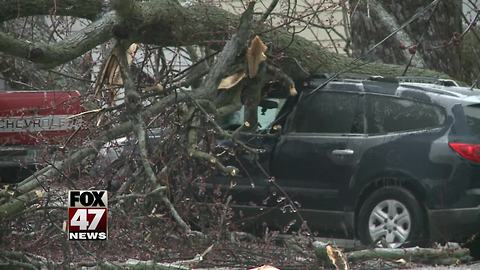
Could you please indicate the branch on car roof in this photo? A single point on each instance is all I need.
(224, 61)
(199, 24)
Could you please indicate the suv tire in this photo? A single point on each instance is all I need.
(391, 215)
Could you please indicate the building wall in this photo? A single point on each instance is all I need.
(326, 19)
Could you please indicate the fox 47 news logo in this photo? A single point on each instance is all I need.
(87, 215)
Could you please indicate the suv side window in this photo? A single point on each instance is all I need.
(472, 113)
(329, 112)
(392, 114)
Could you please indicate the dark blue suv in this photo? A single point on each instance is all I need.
(374, 159)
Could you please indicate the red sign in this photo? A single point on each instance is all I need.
(28, 117)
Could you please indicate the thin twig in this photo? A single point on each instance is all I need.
(269, 10)
(133, 103)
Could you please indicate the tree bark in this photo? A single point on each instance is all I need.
(88, 9)
(470, 57)
(430, 256)
(369, 26)
(18, 204)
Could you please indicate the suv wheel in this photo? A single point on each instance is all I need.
(391, 216)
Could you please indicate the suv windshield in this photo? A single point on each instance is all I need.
(266, 116)
(473, 118)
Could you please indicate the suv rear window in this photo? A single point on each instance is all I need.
(392, 114)
(473, 118)
(329, 112)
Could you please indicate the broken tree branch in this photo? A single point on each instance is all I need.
(193, 151)
(18, 204)
(21, 260)
(224, 60)
(419, 255)
(180, 27)
(431, 256)
(50, 55)
(134, 105)
(87, 9)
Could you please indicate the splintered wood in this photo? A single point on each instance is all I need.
(337, 258)
(255, 56)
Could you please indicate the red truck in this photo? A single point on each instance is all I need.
(30, 123)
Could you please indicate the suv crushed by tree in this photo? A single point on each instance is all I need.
(389, 160)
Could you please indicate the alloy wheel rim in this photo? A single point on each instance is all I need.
(390, 222)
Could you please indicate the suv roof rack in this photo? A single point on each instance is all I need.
(398, 79)
(430, 80)
(354, 77)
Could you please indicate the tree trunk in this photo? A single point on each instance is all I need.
(166, 23)
(431, 31)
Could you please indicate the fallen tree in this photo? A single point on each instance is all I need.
(253, 52)
(428, 256)
(325, 253)
(130, 21)
(180, 26)
(217, 72)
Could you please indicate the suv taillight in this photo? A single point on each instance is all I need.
(467, 150)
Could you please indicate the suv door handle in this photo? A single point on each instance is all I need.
(343, 152)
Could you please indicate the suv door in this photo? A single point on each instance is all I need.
(319, 151)
(250, 188)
